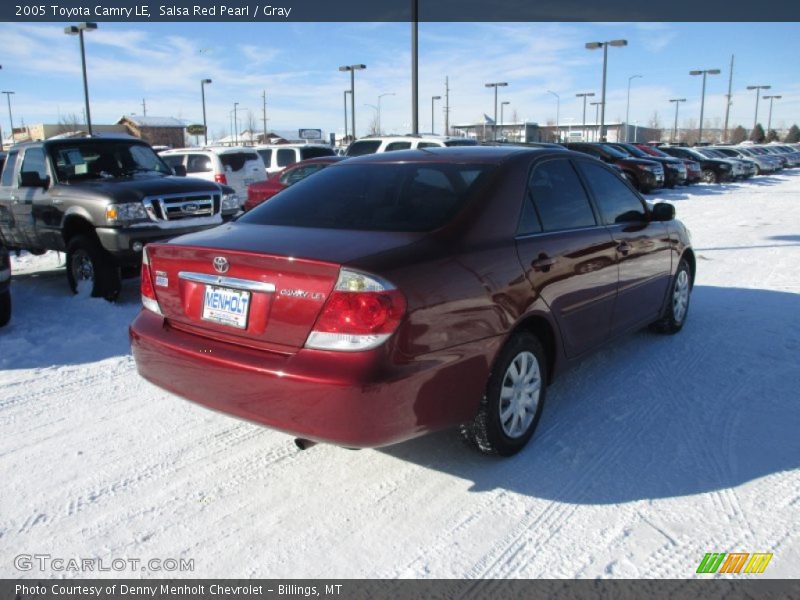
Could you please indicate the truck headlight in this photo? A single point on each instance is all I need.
(129, 211)
(230, 201)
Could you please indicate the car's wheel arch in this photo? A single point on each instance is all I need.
(74, 224)
(541, 324)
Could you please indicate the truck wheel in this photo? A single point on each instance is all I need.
(91, 270)
(5, 308)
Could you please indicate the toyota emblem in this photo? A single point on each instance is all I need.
(221, 264)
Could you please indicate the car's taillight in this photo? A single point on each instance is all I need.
(148, 291)
(220, 178)
(360, 314)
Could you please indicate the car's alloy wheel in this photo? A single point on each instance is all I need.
(513, 400)
(519, 395)
(709, 176)
(82, 272)
(678, 305)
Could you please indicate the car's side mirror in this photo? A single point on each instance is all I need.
(179, 170)
(663, 211)
(32, 179)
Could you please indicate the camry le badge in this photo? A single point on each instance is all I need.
(221, 264)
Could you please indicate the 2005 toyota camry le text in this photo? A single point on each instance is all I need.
(400, 293)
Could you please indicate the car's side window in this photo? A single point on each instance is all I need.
(616, 201)
(33, 161)
(559, 197)
(428, 145)
(397, 146)
(266, 156)
(198, 163)
(10, 169)
(286, 157)
(528, 221)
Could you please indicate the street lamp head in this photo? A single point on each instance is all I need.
(506, 102)
(635, 77)
(87, 26)
(584, 94)
(759, 87)
(618, 43)
(436, 97)
(713, 71)
(9, 93)
(695, 72)
(594, 45)
(71, 30)
(76, 29)
(772, 97)
(205, 81)
(678, 100)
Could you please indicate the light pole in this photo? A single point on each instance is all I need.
(584, 95)
(235, 124)
(345, 115)
(597, 136)
(380, 131)
(433, 100)
(558, 110)
(757, 88)
(677, 102)
(628, 103)
(203, 83)
(353, 69)
(10, 118)
(502, 105)
(495, 86)
(78, 30)
(769, 119)
(604, 46)
(703, 97)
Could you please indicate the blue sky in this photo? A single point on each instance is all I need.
(297, 64)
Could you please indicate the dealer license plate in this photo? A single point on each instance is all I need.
(226, 306)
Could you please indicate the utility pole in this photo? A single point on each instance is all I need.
(264, 113)
(144, 107)
(446, 105)
(728, 103)
(414, 67)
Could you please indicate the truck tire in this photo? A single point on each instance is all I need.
(91, 271)
(5, 308)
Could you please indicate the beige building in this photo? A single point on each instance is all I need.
(156, 131)
(44, 131)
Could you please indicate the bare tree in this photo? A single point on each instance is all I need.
(69, 123)
(373, 125)
(655, 121)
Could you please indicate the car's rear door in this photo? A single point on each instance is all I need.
(642, 247)
(568, 256)
(241, 169)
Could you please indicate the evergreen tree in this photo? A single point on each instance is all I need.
(738, 135)
(772, 136)
(757, 135)
(793, 136)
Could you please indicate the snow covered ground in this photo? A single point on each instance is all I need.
(650, 454)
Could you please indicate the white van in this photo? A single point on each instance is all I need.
(276, 157)
(237, 167)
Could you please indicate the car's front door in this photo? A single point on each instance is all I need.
(33, 201)
(642, 247)
(568, 257)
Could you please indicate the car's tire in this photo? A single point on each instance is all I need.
(5, 308)
(511, 408)
(677, 309)
(91, 271)
(709, 176)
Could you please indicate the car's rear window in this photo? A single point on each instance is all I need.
(375, 197)
(362, 148)
(235, 161)
(461, 143)
(315, 152)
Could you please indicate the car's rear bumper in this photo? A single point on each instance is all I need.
(359, 400)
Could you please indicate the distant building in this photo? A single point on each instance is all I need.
(44, 131)
(528, 131)
(156, 131)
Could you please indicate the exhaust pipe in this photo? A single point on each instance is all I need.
(304, 444)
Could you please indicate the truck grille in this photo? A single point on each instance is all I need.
(182, 206)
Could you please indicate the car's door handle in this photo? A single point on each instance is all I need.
(623, 248)
(543, 263)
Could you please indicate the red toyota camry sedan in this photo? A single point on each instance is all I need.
(401, 293)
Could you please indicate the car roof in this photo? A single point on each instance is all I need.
(455, 154)
(211, 149)
(278, 146)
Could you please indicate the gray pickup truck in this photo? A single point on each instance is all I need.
(100, 200)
